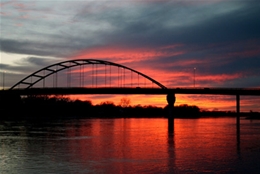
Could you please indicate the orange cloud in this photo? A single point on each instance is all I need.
(125, 55)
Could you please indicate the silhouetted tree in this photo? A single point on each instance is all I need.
(125, 102)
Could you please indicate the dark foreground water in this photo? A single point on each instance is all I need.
(203, 145)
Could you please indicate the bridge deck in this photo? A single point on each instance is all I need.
(151, 91)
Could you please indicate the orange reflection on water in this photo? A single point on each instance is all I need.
(211, 141)
(136, 144)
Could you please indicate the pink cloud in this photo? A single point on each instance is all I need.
(126, 55)
(162, 73)
(220, 77)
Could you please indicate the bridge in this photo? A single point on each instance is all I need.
(90, 73)
(91, 76)
(137, 90)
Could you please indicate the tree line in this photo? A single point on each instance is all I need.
(60, 106)
(45, 106)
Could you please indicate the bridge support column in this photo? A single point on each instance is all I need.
(171, 100)
(238, 117)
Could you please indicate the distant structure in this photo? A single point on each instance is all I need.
(96, 72)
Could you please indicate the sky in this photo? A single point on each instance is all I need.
(163, 39)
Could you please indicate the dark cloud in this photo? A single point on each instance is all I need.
(38, 61)
(4, 66)
(33, 48)
(26, 66)
(237, 25)
(244, 82)
(16, 69)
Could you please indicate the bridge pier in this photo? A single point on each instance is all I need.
(171, 100)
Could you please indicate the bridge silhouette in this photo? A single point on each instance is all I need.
(91, 76)
(91, 73)
(104, 77)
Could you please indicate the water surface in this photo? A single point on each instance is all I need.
(206, 145)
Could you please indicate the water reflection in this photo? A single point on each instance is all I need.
(238, 138)
(129, 146)
(171, 147)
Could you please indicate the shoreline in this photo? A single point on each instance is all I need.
(24, 116)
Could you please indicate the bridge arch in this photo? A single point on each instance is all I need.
(55, 68)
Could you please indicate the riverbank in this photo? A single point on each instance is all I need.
(45, 107)
(64, 112)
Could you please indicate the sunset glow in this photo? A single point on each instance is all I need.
(190, 44)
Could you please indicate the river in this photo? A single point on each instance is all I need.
(205, 145)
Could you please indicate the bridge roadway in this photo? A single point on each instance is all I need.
(150, 91)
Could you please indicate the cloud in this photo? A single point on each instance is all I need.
(35, 48)
(4, 66)
(173, 24)
(27, 65)
(39, 62)
(150, 24)
(163, 39)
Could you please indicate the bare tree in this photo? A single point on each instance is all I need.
(125, 102)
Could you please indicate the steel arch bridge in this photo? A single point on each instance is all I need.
(94, 71)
